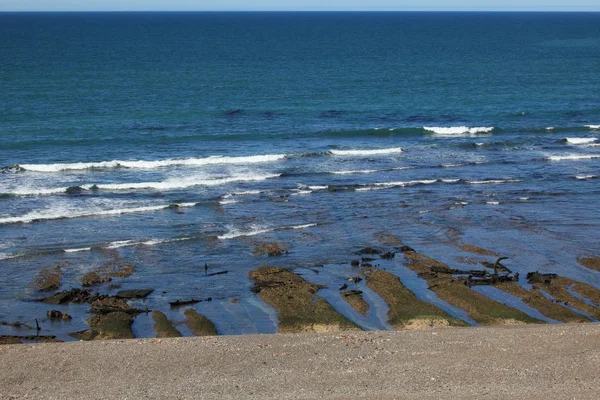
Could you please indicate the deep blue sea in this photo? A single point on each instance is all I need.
(319, 130)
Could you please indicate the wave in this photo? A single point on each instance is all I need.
(169, 184)
(140, 164)
(458, 130)
(259, 230)
(77, 250)
(492, 181)
(36, 216)
(579, 140)
(573, 157)
(393, 150)
(593, 126)
(152, 242)
(585, 177)
(5, 256)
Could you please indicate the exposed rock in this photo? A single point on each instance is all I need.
(406, 249)
(107, 305)
(355, 263)
(298, 308)
(479, 307)
(355, 299)
(48, 279)
(179, 303)
(134, 293)
(28, 339)
(70, 296)
(405, 308)
(106, 272)
(74, 190)
(476, 250)
(388, 239)
(57, 315)
(272, 249)
(590, 262)
(116, 325)
(536, 277)
(163, 326)
(199, 324)
(388, 256)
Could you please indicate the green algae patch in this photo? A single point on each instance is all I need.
(590, 263)
(557, 287)
(356, 301)
(469, 248)
(163, 327)
(199, 324)
(295, 301)
(406, 310)
(115, 325)
(480, 308)
(535, 299)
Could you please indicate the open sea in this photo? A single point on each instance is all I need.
(171, 140)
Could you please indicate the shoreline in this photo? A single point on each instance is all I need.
(527, 361)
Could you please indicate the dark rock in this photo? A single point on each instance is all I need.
(355, 263)
(536, 277)
(406, 249)
(388, 256)
(70, 296)
(57, 315)
(369, 250)
(107, 305)
(134, 294)
(74, 190)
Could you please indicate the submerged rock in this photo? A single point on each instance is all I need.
(134, 293)
(116, 325)
(48, 279)
(70, 296)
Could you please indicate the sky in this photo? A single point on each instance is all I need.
(299, 5)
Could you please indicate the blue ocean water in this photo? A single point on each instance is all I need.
(173, 139)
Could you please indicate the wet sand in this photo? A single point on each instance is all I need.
(533, 362)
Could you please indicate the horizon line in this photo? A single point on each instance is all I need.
(303, 11)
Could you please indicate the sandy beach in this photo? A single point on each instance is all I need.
(533, 361)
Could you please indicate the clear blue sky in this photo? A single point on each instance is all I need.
(290, 5)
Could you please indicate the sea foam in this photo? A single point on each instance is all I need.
(260, 230)
(580, 140)
(140, 164)
(393, 150)
(458, 130)
(63, 213)
(593, 126)
(573, 157)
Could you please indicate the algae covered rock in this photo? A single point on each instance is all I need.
(295, 301)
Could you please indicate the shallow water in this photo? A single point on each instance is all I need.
(317, 130)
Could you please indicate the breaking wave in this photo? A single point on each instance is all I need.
(393, 150)
(260, 230)
(573, 157)
(580, 140)
(140, 164)
(63, 213)
(458, 130)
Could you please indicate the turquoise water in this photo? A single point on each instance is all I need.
(315, 129)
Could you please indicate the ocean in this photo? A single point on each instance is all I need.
(171, 140)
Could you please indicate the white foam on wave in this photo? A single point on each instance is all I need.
(585, 177)
(168, 184)
(152, 242)
(593, 126)
(77, 250)
(393, 150)
(407, 183)
(549, 128)
(458, 130)
(5, 256)
(65, 213)
(141, 164)
(365, 171)
(580, 140)
(492, 203)
(260, 230)
(182, 183)
(493, 181)
(226, 202)
(573, 157)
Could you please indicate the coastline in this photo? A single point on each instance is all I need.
(528, 361)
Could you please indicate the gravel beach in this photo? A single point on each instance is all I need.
(533, 362)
